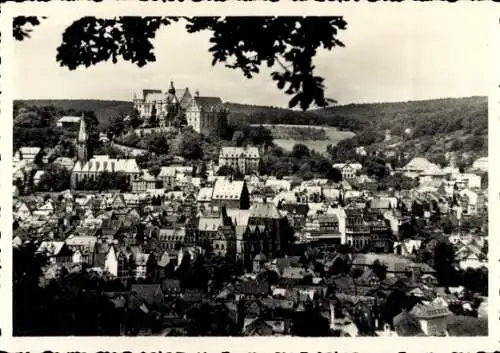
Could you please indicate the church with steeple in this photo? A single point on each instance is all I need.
(89, 169)
(159, 109)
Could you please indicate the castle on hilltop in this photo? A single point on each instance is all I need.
(158, 108)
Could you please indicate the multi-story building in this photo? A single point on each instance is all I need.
(169, 175)
(27, 154)
(158, 108)
(244, 159)
(206, 114)
(69, 122)
(100, 164)
(171, 238)
(348, 170)
(90, 169)
(145, 182)
(324, 229)
(356, 229)
(268, 233)
(231, 194)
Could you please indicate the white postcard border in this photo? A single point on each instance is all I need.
(490, 12)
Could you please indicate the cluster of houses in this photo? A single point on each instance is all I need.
(260, 222)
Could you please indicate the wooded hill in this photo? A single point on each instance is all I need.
(424, 117)
(104, 109)
(431, 122)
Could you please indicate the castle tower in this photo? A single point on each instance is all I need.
(171, 90)
(171, 95)
(81, 142)
(172, 106)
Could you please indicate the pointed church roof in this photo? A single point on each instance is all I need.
(82, 135)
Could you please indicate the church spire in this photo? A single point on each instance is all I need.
(82, 135)
(81, 143)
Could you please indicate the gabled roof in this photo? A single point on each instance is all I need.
(265, 210)
(331, 218)
(185, 98)
(69, 119)
(421, 164)
(65, 162)
(296, 208)
(102, 163)
(225, 189)
(279, 184)
(235, 152)
(205, 194)
(356, 166)
(152, 95)
(210, 223)
(81, 240)
(209, 103)
(52, 247)
(429, 311)
(383, 202)
(238, 217)
(29, 151)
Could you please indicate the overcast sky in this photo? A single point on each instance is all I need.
(408, 55)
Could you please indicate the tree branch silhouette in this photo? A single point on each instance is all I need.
(241, 43)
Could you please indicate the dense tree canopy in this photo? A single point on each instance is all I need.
(190, 145)
(36, 126)
(105, 181)
(58, 306)
(54, 179)
(155, 143)
(279, 163)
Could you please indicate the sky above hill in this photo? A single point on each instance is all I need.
(397, 56)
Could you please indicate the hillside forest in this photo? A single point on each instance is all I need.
(428, 129)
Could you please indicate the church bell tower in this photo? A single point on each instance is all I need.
(82, 142)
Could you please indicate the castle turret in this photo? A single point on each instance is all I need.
(172, 106)
(171, 90)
